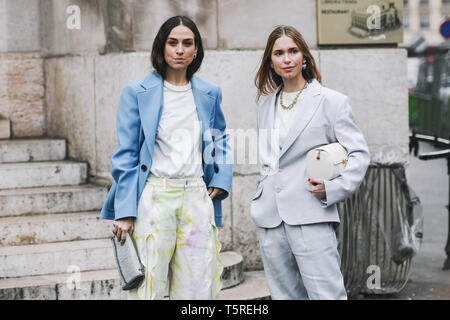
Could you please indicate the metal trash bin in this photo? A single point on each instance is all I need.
(381, 226)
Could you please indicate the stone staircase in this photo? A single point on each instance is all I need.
(53, 244)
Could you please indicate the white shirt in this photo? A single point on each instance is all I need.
(178, 148)
(269, 153)
(284, 118)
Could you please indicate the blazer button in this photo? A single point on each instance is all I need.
(144, 167)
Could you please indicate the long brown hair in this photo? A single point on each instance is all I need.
(266, 79)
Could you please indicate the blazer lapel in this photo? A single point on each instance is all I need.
(150, 103)
(304, 116)
(204, 104)
(268, 144)
(268, 115)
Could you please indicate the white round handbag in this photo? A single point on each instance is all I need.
(326, 162)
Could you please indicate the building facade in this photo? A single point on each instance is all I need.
(424, 18)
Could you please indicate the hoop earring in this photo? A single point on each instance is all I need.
(195, 55)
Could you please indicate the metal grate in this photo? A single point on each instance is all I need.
(381, 228)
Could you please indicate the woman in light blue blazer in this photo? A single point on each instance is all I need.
(170, 169)
(296, 218)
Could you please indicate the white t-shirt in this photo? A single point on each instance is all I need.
(178, 146)
(284, 118)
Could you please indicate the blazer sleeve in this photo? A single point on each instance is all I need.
(223, 157)
(350, 136)
(125, 161)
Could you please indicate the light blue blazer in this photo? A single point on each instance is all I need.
(138, 116)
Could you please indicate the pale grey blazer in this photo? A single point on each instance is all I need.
(282, 191)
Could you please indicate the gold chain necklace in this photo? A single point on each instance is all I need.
(289, 107)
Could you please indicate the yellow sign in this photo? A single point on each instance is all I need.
(359, 21)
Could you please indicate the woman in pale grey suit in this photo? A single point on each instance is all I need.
(296, 218)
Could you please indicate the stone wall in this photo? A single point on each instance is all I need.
(68, 82)
(22, 94)
(131, 25)
(19, 26)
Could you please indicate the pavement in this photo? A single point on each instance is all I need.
(427, 281)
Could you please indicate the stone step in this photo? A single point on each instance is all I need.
(105, 284)
(5, 129)
(47, 228)
(58, 257)
(233, 269)
(85, 255)
(26, 201)
(42, 174)
(98, 284)
(254, 287)
(25, 150)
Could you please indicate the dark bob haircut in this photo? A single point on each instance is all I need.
(157, 58)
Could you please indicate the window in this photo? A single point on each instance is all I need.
(424, 22)
(445, 2)
(423, 2)
(405, 22)
(405, 3)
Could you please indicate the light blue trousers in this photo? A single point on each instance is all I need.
(302, 262)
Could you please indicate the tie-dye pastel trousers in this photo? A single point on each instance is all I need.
(176, 237)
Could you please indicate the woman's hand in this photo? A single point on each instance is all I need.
(214, 192)
(317, 188)
(121, 228)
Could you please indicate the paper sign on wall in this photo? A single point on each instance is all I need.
(359, 21)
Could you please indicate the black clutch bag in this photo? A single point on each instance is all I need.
(131, 270)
